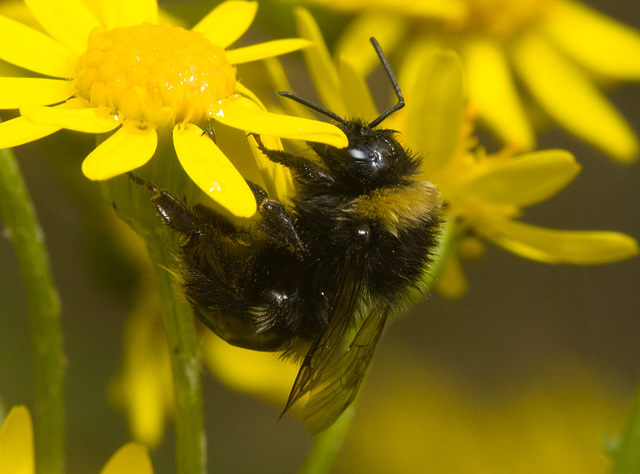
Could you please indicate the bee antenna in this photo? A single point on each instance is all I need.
(314, 107)
(394, 83)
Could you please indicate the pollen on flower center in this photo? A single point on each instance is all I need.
(154, 74)
(503, 18)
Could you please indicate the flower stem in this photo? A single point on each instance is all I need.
(327, 445)
(43, 306)
(185, 364)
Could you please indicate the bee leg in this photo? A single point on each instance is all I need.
(276, 221)
(299, 166)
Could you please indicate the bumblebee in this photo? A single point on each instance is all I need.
(347, 252)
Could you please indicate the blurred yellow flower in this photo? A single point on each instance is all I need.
(558, 50)
(485, 194)
(555, 420)
(17, 454)
(144, 387)
(125, 70)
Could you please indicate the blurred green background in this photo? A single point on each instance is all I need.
(530, 372)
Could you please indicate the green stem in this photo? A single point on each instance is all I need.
(44, 315)
(327, 444)
(185, 364)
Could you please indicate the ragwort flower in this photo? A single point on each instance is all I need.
(17, 454)
(126, 71)
(557, 49)
(485, 194)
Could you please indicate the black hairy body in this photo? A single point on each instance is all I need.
(347, 252)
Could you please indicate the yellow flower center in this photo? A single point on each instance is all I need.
(502, 18)
(154, 74)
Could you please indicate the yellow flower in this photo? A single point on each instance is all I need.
(558, 50)
(17, 455)
(485, 194)
(126, 71)
(144, 386)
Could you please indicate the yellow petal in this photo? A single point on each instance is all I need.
(319, 63)
(571, 99)
(434, 107)
(116, 13)
(523, 181)
(227, 22)
(278, 78)
(68, 21)
(243, 114)
(19, 131)
(493, 92)
(30, 49)
(559, 246)
(264, 50)
(17, 91)
(262, 374)
(143, 387)
(356, 93)
(354, 45)
(452, 283)
(212, 171)
(83, 119)
(603, 45)
(16, 442)
(277, 178)
(130, 458)
(429, 9)
(123, 151)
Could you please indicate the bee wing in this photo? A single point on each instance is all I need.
(340, 380)
(331, 378)
(326, 346)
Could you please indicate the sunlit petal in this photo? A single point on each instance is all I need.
(17, 91)
(245, 115)
(264, 50)
(30, 49)
(493, 93)
(79, 119)
(598, 42)
(19, 131)
(227, 22)
(557, 246)
(319, 63)
(387, 29)
(523, 181)
(212, 171)
(434, 91)
(127, 13)
(68, 21)
(123, 151)
(277, 178)
(356, 93)
(428, 9)
(16, 442)
(571, 99)
(260, 373)
(132, 457)
(452, 283)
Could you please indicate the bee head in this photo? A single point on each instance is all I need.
(374, 158)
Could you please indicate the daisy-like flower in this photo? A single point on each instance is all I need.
(484, 193)
(556, 50)
(17, 454)
(125, 71)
